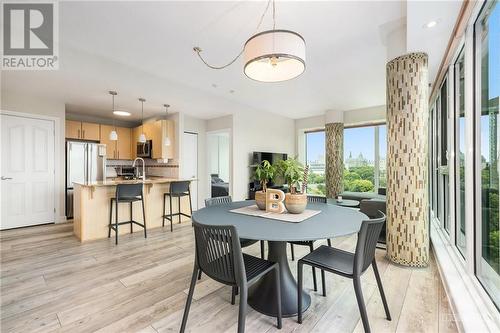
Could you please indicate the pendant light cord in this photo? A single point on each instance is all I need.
(198, 50)
(113, 110)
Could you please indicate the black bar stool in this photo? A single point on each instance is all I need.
(177, 190)
(126, 193)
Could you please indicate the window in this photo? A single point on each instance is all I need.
(460, 152)
(365, 158)
(487, 37)
(443, 156)
(315, 158)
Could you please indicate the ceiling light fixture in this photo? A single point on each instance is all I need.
(121, 113)
(270, 56)
(142, 137)
(431, 24)
(167, 139)
(113, 136)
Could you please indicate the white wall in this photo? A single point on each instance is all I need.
(218, 154)
(14, 101)
(258, 131)
(195, 125)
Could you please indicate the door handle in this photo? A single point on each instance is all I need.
(78, 134)
(83, 134)
(6, 178)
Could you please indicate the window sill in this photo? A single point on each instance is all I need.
(473, 309)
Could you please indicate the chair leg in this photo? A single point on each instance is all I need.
(329, 242)
(144, 216)
(116, 222)
(190, 203)
(381, 290)
(311, 248)
(293, 254)
(179, 207)
(189, 299)
(323, 282)
(361, 303)
(110, 218)
(278, 295)
(233, 295)
(243, 309)
(131, 218)
(262, 250)
(299, 292)
(199, 275)
(163, 214)
(171, 216)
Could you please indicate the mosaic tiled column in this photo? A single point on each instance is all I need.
(334, 158)
(407, 153)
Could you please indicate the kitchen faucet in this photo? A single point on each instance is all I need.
(143, 167)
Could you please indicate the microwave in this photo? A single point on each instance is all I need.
(144, 150)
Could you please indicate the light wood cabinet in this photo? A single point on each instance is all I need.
(157, 131)
(73, 129)
(110, 145)
(123, 145)
(90, 131)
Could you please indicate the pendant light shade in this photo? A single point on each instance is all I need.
(275, 56)
(167, 139)
(113, 136)
(142, 136)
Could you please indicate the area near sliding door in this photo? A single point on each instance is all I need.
(487, 148)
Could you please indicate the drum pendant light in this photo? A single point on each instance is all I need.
(142, 137)
(113, 136)
(167, 139)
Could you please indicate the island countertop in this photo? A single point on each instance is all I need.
(151, 180)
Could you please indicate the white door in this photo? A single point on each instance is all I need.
(189, 165)
(27, 171)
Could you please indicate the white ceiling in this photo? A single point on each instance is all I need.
(144, 49)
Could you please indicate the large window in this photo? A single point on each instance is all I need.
(315, 158)
(487, 34)
(365, 158)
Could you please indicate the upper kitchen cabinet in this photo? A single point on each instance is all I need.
(91, 131)
(82, 131)
(110, 145)
(123, 145)
(158, 132)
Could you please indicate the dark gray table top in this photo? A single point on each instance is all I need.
(333, 221)
(344, 202)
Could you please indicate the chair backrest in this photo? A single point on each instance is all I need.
(371, 207)
(218, 201)
(367, 242)
(125, 191)
(218, 252)
(179, 187)
(316, 198)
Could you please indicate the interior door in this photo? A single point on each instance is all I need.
(27, 172)
(189, 166)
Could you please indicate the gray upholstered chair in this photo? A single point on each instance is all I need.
(348, 264)
(218, 255)
(371, 207)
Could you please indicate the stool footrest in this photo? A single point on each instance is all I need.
(175, 214)
(126, 222)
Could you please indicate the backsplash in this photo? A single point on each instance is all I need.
(153, 167)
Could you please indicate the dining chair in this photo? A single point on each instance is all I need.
(178, 189)
(310, 244)
(348, 264)
(218, 254)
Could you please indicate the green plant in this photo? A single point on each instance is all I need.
(292, 172)
(264, 172)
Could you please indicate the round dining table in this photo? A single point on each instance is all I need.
(332, 221)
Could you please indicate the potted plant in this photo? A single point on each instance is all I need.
(293, 172)
(264, 172)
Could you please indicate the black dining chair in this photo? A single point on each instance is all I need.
(218, 255)
(178, 189)
(126, 193)
(310, 244)
(348, 264)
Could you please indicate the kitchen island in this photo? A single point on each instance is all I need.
(92, 207)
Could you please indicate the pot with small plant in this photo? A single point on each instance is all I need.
(293, 172)
(264, 172)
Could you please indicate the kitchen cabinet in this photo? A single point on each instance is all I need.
(83, 131)
(110, 145)
(91, 131)
(157, 132)
(123, 145)
(73, 129)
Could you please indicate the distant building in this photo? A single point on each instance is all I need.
(317, 166)
(357, 162)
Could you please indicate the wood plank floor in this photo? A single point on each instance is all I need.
(52, 283)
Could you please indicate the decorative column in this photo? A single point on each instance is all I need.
(334, 150)
(407, 154)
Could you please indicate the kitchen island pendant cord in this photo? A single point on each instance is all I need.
(167, 139)
(142, 136)
(113, 136)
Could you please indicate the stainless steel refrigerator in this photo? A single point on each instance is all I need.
(85, 162)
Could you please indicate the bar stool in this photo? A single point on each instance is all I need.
(126, 193)
(177, 190)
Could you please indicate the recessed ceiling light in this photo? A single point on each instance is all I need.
(121, 113)
(431, 24)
